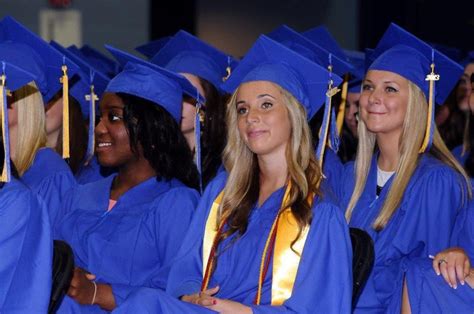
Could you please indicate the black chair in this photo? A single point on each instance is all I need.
(362, 260)
(63, 266)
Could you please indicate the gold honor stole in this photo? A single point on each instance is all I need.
(285, 260)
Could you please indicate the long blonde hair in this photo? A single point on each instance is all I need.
(242, 187)
(31, 129)
(410, 141)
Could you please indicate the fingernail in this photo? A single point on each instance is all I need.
(462, 282)
(437, 273)
(455, 287)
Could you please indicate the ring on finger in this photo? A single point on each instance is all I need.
(441, 261)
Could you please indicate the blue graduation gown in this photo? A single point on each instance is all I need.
(50, 177)
(324, 279)
(26, 251)
(430, 293)
(134, 241)
(92, 172)
(332, 169)
(422, 225)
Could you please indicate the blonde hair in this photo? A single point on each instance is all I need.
(31, 129)
(242, 186)
(410, 141)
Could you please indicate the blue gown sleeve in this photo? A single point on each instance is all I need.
(26, 246)
(429, 214)
(427, 217)
(53, 190)
(186, 274)
(333, 169)
(168, 223)
(324, 279)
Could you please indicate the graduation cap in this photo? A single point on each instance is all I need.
(452, 52)
(151, 48)
(98, 60)
(185, 53)
(323, 37)
(310, 49)
(185, 87)
(87, 91)
(435, 74)
(11, 79)
(310, 83)
(299, 43)
(36, 56)
(357, 59)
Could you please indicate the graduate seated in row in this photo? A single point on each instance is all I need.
(126, 228)
(25, 233)
(39, 167)
(408, 192)
(266, 237)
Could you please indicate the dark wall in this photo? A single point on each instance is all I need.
(444, 22)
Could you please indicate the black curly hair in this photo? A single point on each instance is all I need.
(164, 146)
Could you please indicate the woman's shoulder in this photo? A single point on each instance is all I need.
(47, 163)
(430, 167)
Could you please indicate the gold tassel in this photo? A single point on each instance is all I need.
(64, 80)
(342, 106)
(432, 77)
(4, 176)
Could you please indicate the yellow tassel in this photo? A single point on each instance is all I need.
(342, 106)
(4, 176)
(65, 82)
(432, 77)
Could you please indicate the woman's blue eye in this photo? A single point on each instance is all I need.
(241, 110)
(391, 89)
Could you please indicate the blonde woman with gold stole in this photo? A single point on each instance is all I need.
(264, 238)
(39, 167)
(405, 188)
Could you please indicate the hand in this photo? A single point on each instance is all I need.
(224, 306)
(470, 279)
(203, 298)
(453, 264)
(81, 288)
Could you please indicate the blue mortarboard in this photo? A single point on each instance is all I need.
(357, 59)
(185, 53)
(451, 52)
(151, 83)
(97, 59)
(321, 36)
(151, 48)
(305, 47)
(307, 81)
(11, 79)
(87, 91)
(468, 59)
(35, 56)
(434, 73)
(185, 87)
